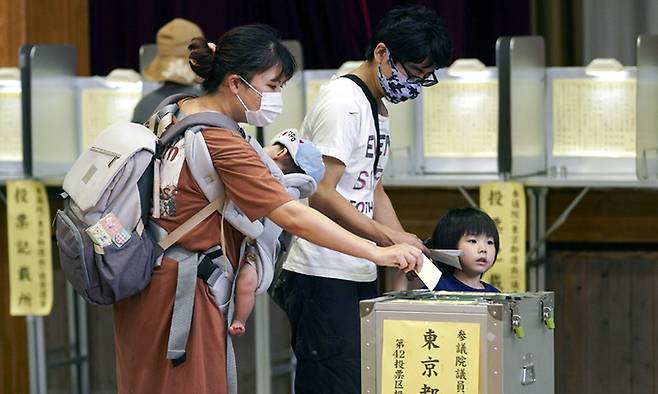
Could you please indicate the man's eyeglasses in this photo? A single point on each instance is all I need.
(425, 81)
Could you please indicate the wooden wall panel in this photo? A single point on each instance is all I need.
(60, 21)
(14, 376)
(605, 340)
(419, 209)
(612, 215)
(44, 22)
(603, 216)
(619, 299)
(12, 31)
(101, 349)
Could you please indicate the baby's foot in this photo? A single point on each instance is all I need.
(237, 329)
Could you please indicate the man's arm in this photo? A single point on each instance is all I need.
(385, 214)
(328, 201)
(331, 203)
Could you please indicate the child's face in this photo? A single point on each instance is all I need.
(285, 163)
(282, 158)
(479, 253)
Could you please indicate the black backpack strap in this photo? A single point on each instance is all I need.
(375, 116)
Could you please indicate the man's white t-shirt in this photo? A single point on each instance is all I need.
(340, 124)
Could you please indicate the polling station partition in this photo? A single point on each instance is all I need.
(457, 121)
(49, 138)
(646, 160)
(11, 134)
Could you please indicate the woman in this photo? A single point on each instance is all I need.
(243, 75)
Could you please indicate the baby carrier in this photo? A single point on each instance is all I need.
(108, 195)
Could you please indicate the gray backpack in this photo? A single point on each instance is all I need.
(115, 175)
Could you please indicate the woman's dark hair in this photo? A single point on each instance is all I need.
(458, 222)
(412, 34)
(244, 50)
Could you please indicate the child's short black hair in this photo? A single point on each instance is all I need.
(412, 34)
(458, 222)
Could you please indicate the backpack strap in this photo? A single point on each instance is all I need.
(211, 119)
(375, 116)
(191, 264)
(191, 223)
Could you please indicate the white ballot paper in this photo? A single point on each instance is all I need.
(429, 274)
(447, 256)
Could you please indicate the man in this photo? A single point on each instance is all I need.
(170, 66)
(322, 288)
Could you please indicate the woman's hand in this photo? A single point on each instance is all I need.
(403, 256)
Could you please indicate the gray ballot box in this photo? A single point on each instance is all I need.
(425, 342)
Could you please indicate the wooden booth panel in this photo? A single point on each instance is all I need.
(606, 216)
(13, 336)
(419, 209)
(59, 22)
(44, 22)
(12, 31)
(606, 304)
(603, 216)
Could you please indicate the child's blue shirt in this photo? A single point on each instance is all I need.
(450, 283)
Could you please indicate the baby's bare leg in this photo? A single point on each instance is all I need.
(245, 297)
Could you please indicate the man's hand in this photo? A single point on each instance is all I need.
(392, 237)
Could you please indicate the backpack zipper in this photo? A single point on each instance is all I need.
(106, 152)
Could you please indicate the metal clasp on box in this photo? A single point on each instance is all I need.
(517, 328)
(547, 316)
(528, 370)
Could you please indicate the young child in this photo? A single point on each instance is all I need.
(475, 233)
(292, 155)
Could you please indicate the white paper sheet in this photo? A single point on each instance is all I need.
(429, 274)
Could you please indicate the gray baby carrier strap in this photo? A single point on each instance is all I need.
(211, 266)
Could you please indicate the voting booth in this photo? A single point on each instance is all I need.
(484, 121)
(105, 100)
(61, 113)
(601, 119)
(646, 164)
(457, 122)
(11, 149)
(521, 115)
(448, 342)
(591, 119)
(49, 138)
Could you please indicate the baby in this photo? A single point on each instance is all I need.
(292, 155)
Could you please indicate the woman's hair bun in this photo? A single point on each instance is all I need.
(202, 57)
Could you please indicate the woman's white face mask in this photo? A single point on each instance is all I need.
(271, 105)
